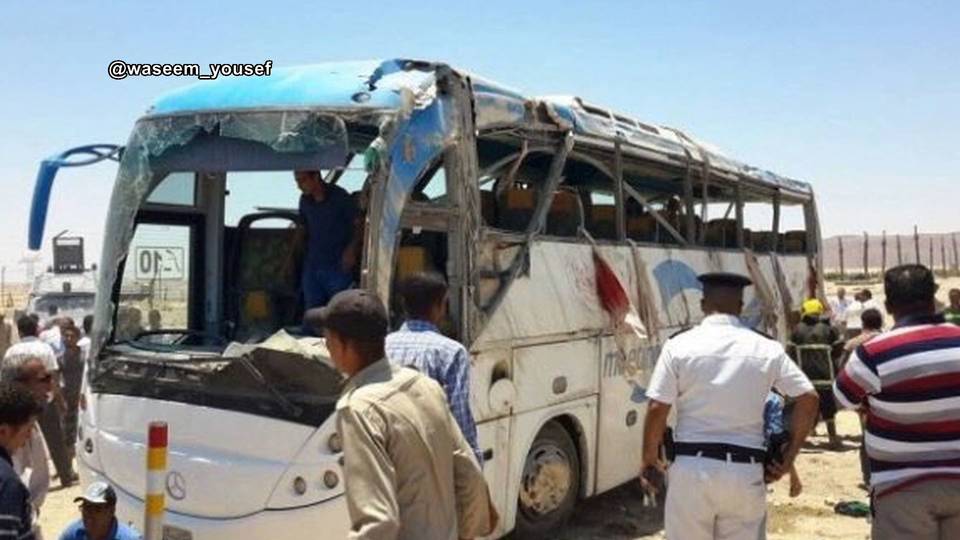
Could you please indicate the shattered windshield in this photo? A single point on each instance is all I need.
(284, 377)
(166, 199)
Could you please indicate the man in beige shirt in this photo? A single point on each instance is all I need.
(409, 472)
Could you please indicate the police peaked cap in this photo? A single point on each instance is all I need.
(724, 279)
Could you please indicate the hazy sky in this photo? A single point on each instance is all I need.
(859, 98)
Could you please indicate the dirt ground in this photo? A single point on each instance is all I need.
(828, 476)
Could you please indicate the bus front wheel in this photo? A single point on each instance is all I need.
(550, 482)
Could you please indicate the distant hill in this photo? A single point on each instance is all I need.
(853, 251)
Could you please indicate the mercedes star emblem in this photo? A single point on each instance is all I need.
(176, 486)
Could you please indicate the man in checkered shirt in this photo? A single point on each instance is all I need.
(418, 344)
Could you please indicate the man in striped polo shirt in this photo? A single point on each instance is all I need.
(908, 381)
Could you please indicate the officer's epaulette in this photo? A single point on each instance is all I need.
(764, 334)
(682, 330)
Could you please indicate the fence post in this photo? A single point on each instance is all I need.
(883, 253)
(156, 481)
(840, 243)
(956, 259)
(943, 256)
(866, 255)
(916, 242)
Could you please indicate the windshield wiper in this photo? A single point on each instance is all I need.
(288, 406)
(148, 346)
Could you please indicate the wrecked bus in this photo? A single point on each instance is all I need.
(527, 205)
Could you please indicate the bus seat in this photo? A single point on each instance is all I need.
(603, 221)
(763, 241)
(516, 207)
(256, 305)
(642, 228)
(747, 238)
(721, 233)
(488, 207)
(795, 242)
(411, 260)
(565, 215)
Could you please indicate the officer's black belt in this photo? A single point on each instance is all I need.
(721, 451)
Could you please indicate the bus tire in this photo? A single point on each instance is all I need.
(550, 483)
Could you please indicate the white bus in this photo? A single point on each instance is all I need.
(516, 200)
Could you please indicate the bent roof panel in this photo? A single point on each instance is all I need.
(332, 85)
(377, 84)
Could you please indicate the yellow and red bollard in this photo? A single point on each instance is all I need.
(156, 477)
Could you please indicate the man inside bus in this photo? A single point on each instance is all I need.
(331, 246)
(409, 472)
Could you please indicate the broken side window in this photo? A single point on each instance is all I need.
(758, 222)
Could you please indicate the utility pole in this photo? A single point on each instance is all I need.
(899, 252)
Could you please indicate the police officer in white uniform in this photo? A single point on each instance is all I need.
(718, 375)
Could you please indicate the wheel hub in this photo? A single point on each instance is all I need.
(546, 481)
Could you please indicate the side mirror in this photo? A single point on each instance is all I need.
(48, 172)
(41, 200)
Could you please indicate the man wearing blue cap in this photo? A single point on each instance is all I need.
(718, 375)
(98, 508)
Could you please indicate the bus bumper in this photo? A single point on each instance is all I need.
(328, 519)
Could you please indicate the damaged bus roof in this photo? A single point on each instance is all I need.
(400, 84)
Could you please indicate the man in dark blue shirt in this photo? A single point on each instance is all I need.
(98, 507)
(332, 247)
(18, 416)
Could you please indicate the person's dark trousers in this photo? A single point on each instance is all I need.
(52, 427)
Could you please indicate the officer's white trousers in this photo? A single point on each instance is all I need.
(711, 499)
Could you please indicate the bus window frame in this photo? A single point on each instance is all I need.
(196, 222)
(537, 223)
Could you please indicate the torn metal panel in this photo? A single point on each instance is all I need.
(417, 143)
(594, 121)
(341, 85)
(402, 84)
(462, 167)
(537, 222)
(565, 269)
